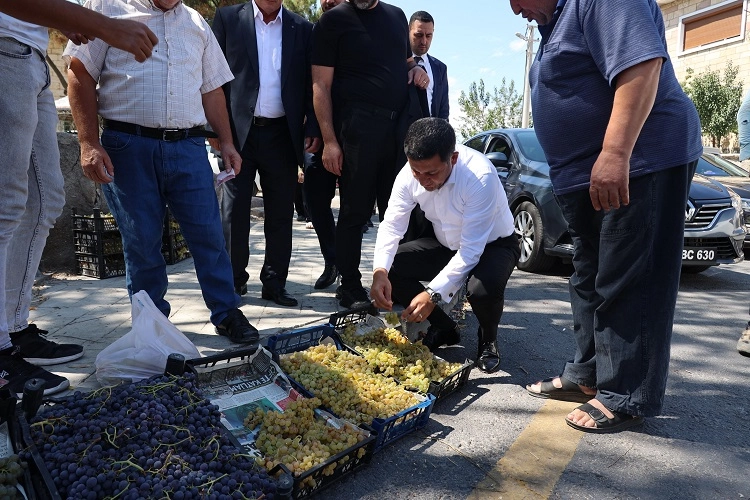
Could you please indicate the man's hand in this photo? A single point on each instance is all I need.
(380, 291)
(131, 36)
(231, 158)
(609, 182)
(333, 157)
(312, 144)
(421, 306)
(96, 164)
(419, 77)
(78, 38)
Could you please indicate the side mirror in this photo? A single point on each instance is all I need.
(500, 160)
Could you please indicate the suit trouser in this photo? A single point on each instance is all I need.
(320, 188)
(268, 150)
(422, 260)
(370, 145)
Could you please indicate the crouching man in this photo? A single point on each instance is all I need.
(461, 195)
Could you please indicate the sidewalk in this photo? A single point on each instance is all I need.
(95, 312)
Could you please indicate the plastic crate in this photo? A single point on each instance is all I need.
(346, 461)
(173, 245)
(100, 266)
(440, 389)
(92, 243)
(97, 222)
(388, 429)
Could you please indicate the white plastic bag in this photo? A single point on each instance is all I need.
(143, 351)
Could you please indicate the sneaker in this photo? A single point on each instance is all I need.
(16, 371)
(237, 328)
(743, 345)
(39, 351)
(353, 298)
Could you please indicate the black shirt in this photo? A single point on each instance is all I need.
(368, 49)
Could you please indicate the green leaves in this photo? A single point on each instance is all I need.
(484, 110)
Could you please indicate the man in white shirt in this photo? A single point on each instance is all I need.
(461, 195)
(421, 31)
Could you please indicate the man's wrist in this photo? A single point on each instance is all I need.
(435, 297)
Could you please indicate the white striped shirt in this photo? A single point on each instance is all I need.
(165, 91)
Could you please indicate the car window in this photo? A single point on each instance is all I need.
(476, 142)
(499, 145)
(529, 146)
(712, 165)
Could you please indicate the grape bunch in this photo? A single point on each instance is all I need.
(11, 469)
(299, 440)
(158, 438)
(392, 354)
(347, 384)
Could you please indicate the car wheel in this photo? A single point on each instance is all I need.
(694, 269)
(530, 230)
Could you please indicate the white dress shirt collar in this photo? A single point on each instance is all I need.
(258, 14)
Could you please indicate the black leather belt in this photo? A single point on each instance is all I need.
(375, 110)
(262, 121)
(163, 134)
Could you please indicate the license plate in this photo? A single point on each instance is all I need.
(696, 254)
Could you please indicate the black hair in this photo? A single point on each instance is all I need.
(421, 16)
(428, 137)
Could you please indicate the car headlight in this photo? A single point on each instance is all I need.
(737, 204)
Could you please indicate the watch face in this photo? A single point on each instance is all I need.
(436, 297)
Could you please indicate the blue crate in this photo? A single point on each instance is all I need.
(388, 429)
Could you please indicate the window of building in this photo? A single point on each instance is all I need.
(715, 25)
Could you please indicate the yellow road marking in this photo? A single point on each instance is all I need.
(536, 460)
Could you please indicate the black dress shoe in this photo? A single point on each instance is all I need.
(437, 338)
(237, 328)
(241, 289)
(488, 358)
(330, 273)
(353, 298)
(280, 296)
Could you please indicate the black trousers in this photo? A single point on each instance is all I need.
(319, 189)
(422, 259)
(269, 150)
(370, 145)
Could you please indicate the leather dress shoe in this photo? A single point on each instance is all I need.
(330, 273)
(488, 357)
(437, 337)
(237, 328)
(241, 289)
(280, 296)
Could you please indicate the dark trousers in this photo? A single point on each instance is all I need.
(300, 205)
(319, 189)
(624, 290)
(370, 145)
(269, 150)
(422, 260)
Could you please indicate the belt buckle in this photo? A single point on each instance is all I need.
(172, 134)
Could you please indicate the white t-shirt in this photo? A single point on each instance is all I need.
(30, 34)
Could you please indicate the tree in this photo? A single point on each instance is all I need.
(306, 8)
(484, 110)
(717, 100)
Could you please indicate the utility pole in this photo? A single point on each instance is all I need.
(529, 39)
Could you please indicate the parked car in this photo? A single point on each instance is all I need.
(732, 176)
(714, 230)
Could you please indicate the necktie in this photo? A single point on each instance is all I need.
(423, 102)
(418, 60)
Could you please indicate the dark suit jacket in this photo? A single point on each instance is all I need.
(234, 27)
(440, 105)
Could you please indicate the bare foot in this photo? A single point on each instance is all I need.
(583, 419)
(557, 382)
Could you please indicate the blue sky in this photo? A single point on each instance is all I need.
(476, 39)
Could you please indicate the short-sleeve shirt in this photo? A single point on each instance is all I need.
(572, 82)
(368, 50)
(166, 90)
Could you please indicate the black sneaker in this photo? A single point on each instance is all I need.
(16, 371)
(237, 328)
(352, 298)
(39, 351)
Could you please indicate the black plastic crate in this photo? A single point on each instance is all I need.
(100, 266)
(173, 245)
(441, 389)
(319, 477)
(388, 429)
(97, 222)
(93, 243)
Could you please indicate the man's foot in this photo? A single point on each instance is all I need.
(437, 337)
(369, 223)
(488, 359)
(37, 350)
(595, 417)
(330, 273)
(561, 389)
(352, 298)
(237, 328)
(240, 289)
(365, 228)
(16, 371)
(301, 218)
(743, 345)
(280, 296)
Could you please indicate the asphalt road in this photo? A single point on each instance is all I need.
(492, 440)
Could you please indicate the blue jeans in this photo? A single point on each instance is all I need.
(149, 174)
(31, 192)
(624, 289)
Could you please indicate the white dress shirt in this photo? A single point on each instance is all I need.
(166, 90)
(467, 212)
(268, 38)
(425, 63)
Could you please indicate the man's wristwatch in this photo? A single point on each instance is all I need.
(435, 297)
